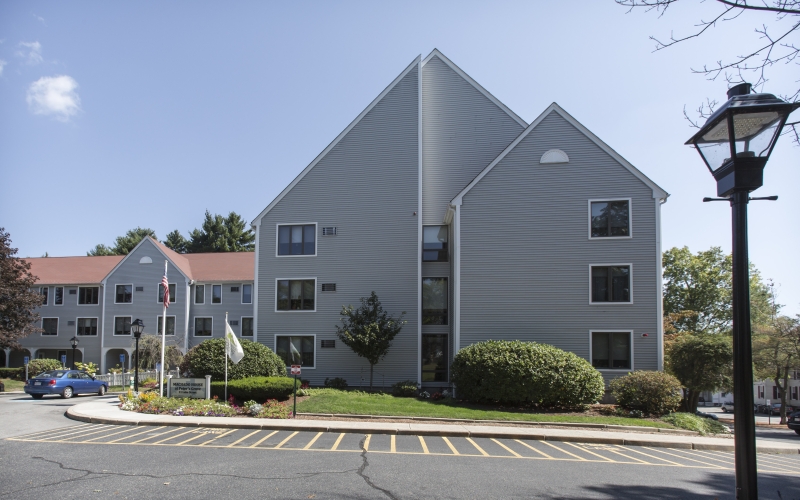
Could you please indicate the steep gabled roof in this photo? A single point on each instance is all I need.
(336, 141)
(658, 192)
(72, 270)
(462, 74)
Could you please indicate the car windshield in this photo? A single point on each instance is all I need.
(52, 374)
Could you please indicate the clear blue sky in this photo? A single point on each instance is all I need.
(122, 114)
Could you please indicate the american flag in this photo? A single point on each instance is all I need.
(165, 285)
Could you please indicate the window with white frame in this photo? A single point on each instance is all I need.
(58, 297)
(122, 325)
(609, 218)
(170, 325)
(49, 326)
(434, 358)
(295, 350)
(247, 294)
(199, 294)
(611, 284)
(216, 294)
(202, 327)
(297, 239)
(434, 301)
(434, 243)
(172, 289)
(611, 350)
(44, 292)
(88, 295)
(87, 326)
(296, 295)
(124, 294)
(247, 327)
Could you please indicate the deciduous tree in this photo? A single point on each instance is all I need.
(18, 300)
(776, 351)
(701, 362)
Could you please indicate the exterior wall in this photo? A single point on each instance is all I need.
(231, 303)
(366, 186)
(525, 251)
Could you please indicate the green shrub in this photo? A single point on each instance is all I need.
(13, 373)
(692, 422)
(37, 366)
(208, 358)
(259, 389)
(652, 393)
(274, 409)
(89, 367)
(525, 373)
(336, 383)
(405, 389)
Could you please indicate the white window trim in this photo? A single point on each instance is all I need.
(241, 318)
(49, 335)
(613, 370)
(176, 326)
(47, 303)
(630, 285)
(63, 295)
(78, 297)
(241, 293)
(447, 280)
(291, 310)
(115, 292)
(194, 327)
(158, 287)
(275, 346)
(630, 220)
(316, 237)
(204, 285)
(77, 318)
(422, 244)
(114, 325)
(212, 295)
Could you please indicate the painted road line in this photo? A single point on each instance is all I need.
(112, 434)
(198, 436)
(179, 434)
(656, 451)
(591, 452)
(616, 450)
(137, 433)
(53, 432)
(478, 447)
(339, 440)
(795, 468)
(263, 439)
(242, 439)
(366, 442)
(219, 436)
(286, 440)
(424, 446)
(450, 445)
(507, 448)
(572, 454)
(393, 444)
(523, 443)
(657, 458)
(313, 440)
(81, 433)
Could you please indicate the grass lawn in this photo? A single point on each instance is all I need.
(361, 403)
(13, 385)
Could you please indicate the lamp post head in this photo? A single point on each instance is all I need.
(137, 327)
(736, 141)
(74, 342)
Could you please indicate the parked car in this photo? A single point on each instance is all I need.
(762, 408)
(793, 422)
(727, 406)
(776, 409)
(65, 383)
(706, 415)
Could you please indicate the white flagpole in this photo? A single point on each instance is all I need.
(226, 356)
(163, 337)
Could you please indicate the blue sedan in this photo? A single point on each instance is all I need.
(67, 383)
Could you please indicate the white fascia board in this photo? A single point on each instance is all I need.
(125, 258)
(336, 141)
(159, 251)
(658, 193)
(475, 84)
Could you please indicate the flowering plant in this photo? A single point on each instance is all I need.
(424, 395)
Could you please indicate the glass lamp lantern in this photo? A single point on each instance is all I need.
(74, 342)
(736, 141)
(137, 327)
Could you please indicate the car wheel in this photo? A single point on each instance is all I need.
(37, 396)
(67, 393)
(102, 390)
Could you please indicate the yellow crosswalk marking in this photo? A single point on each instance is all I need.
(338, 440)
(263, 439)
(242, 439)
(314, 440)
(450, 445)
(507, 448)
(287, 439)
(424, 446)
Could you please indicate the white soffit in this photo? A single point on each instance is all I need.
(554, 156)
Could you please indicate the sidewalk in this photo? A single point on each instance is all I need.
(108, 413)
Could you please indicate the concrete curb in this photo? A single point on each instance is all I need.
(567, 435)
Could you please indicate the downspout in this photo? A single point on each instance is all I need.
(255, 286)
(660, 286)
(102, 330)
(419, 223)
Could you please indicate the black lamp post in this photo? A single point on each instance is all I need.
(735, 143)
(74, 342)
(136, 327)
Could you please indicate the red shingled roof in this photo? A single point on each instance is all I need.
(226, 266)
(72, 270)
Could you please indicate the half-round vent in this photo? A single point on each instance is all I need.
(145, 260)
(554, 156)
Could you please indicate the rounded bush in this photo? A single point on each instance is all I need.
(525, 373)
(208, 358)
(652, 393)
(405, 389)
(37, 366)
(258, 389)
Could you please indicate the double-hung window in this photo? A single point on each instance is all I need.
(609, 218)
(247, 294)
(611, 350)
(216, 294)
(202, 327)
(199, 294)
(122, 325)
(611, 284)
(434, 358)
(125, 294)
(172, 289)
(44, 292)
(87, 326)
(295, 350)
(58, 298)
(434, 243)
(88, 295)
(49, 326)
(247, 327)
(298, 239)
(296, 295)
(170, 325)
(434, 301)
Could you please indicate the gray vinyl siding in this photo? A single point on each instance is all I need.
(367, 187)
(526, 253)
(463, 131)
(231, 303)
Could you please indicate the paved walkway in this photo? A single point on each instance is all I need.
(108, 413)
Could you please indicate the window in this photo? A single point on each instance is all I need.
(87, 326)
(171, 325)
(760, 390)
(611, 350)
(297, 240)
(199, 294)
(303, 347)
(610, 219)
(202, 327)
(44, 292)
(216, 294)
(434, 301)
(434, 243)
(171, 293)
(795, 392)
(296, 295)
(247, 294)
(125, 294)
(49, 326)
(122, 325)
(88, 295)
(247, 327)
(434, 358)
(774, 392)
(58, 299)
(611, 284)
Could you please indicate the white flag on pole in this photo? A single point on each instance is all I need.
(234, 349)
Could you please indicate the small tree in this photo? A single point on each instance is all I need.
(776, 350)
(18, 300)
(150, 353)
(702, 362)
(369, 330)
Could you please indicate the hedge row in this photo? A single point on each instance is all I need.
(12, 373)
(258, 389)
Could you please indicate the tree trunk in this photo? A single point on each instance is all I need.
(782, 391)
(690, 399)
(371, 368)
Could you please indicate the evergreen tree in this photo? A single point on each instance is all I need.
(176, 241)
(123, 244)
(222, 234)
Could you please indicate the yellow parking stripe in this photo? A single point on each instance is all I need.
(217, 437)
(314, 440)
(393, 445)
(338, 440)
(655, 457)
(537, 451)
(198, 436)
(263, 439)
(424, 446)
(242, 439)
(167, 438)
(80, 434)
(112, 434)
(715, 466)
(591, 452)
(287, 439)
(450, 445)
(366, 442)
(53, 432)
(478, 447)
(507, 448)
(568, 453)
